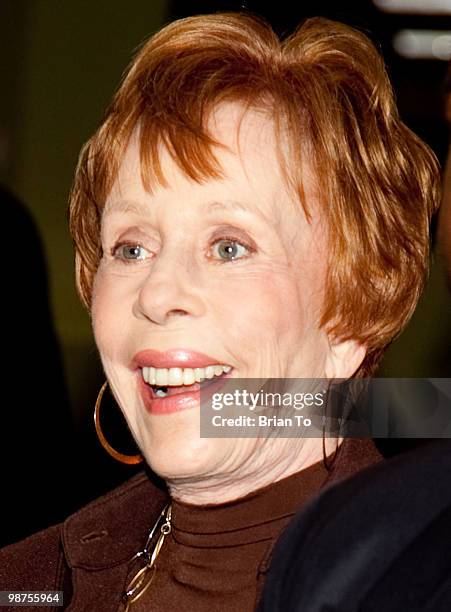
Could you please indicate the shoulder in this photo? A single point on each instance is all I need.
(102, 530)
(43, 560)
(35, 562)
(353, 456)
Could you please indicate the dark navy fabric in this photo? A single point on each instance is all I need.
(378, 542)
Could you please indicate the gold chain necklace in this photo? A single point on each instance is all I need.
(142, 579)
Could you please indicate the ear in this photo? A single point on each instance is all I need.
(344, 358)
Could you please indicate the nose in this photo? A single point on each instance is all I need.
(168, 291)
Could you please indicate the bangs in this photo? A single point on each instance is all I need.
(189, 142)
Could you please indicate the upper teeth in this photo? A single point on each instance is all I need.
(167, 377)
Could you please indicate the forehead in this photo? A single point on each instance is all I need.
(249, 162)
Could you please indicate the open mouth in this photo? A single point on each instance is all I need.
(166, 382)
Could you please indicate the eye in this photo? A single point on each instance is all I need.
(229, 249)
(128, 252)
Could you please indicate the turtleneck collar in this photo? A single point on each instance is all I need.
(247, 519)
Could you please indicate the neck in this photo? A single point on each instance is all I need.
(275, 461)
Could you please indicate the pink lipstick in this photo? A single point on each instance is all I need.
(173, 358)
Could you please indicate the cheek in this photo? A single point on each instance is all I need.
(273, 298)
(262, 308)
(273, 326)
(99, 298)
(104, 315)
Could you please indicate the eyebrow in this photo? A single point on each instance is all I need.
(225, 205)
(126, 206)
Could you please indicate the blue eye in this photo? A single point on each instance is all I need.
(130, 252)
(230, 249)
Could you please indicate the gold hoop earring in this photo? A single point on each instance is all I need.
(129, 459)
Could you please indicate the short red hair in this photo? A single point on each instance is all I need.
(324, 86)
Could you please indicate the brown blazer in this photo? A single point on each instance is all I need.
(87, 556)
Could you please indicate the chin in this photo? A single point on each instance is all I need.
(181, 455)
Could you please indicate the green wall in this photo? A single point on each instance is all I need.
(65, 60)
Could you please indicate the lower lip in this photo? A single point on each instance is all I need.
(179, 401)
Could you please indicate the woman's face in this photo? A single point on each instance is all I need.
(167, 281)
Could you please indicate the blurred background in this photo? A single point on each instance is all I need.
(61, 63)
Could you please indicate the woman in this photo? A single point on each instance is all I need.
(248, 209)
